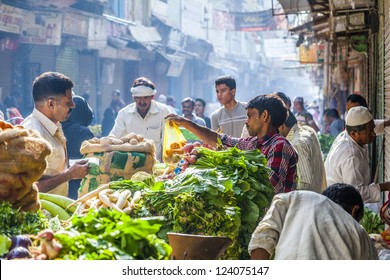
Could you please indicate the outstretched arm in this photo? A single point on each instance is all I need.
(205, 134)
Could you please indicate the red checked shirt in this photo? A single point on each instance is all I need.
(282, 158)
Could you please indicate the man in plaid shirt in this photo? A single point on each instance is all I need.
(265, 114)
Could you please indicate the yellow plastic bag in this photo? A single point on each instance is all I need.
(173, 142)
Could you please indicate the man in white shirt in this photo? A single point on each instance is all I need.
(145, 116)
(347, 161)
(304, 225)
(52, 93)
(310, 166)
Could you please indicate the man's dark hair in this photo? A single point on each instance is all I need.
(274, 106)
(285, 98)
(347, 197)
(357, 98)
(50, 84)
(201, 101)
(188, 99)
(291, 120)
(332, 113)
(229, 81)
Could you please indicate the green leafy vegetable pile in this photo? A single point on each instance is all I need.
(224, 194)
(111, 235)
(326, 141)
(14, 222)
(372, 222)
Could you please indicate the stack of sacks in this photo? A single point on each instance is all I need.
(22, 162)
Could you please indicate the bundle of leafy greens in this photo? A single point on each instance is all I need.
(326, 141)
(14, 222)
(111, 235)
(226, 193)
(372, 222)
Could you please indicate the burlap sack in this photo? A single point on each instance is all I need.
(113, 166)
(30, 201)
(22, 162)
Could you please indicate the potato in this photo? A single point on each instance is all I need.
(132, 135)
(140, 138)
(116, 141)
(105, 140)
(133, 141)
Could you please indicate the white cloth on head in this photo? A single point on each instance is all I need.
(142, 91)
(302, 225)
(151, 127)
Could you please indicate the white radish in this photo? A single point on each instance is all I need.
(124, 195)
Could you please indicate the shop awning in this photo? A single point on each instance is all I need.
(300, 6)
(145, 34)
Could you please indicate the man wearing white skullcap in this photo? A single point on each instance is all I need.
(348, 161)
(145, 116)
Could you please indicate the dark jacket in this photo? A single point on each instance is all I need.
(76, 127)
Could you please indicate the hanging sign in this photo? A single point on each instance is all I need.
(42, 28)
(11, 19)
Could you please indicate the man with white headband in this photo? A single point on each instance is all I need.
(145, 116)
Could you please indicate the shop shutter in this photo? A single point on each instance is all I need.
(386, 41)
(66, 62)
(5, 77)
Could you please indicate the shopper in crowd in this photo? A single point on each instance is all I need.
(332, 120)
(171, 103)
(145, 116)
(116, 97)
(53, 102)
(355, 100)
(302, 115)
(231, 117)
(187, 107)
(200, 107)
(76, 128)
(305, 225)
(287, 104)
(348, 161)
(111, 112)
(12, 113)
(266, 113)
(310, 167)
(76, 131)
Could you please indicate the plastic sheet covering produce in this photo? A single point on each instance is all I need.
(173, 143)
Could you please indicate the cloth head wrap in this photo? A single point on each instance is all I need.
(142, 91)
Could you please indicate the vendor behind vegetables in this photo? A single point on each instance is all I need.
(265, 114)
(52, 93)
(145, 116)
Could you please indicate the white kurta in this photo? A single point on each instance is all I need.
(304, 225)
(347, 163)
(310, 166)
(151, 127)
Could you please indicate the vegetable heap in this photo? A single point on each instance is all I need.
(224, 194)
(14, 221)
(326, 141)
(372, 222)
(106, 234)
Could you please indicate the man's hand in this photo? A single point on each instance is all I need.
(180, 121)
(79, 169)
